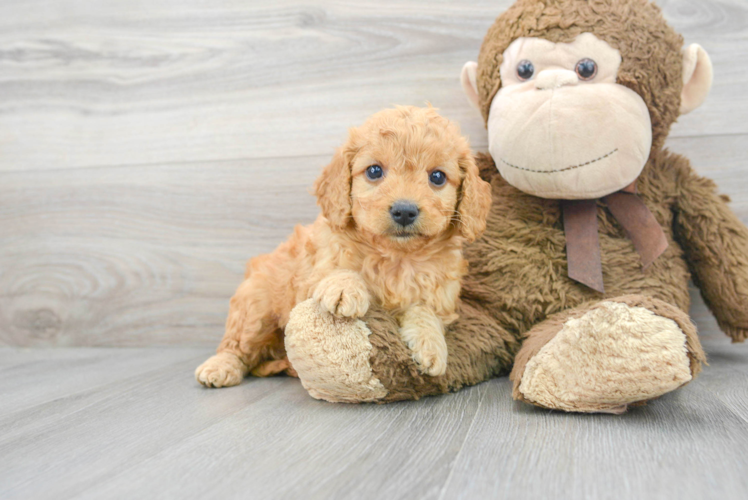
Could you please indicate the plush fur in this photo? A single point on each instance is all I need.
(355, 255)
(350, 378)
(524, 243)
(606, 355)
(517, 296)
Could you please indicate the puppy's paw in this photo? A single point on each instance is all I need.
(222, 370)
(423, 333)
(343, 294)
(431, 357)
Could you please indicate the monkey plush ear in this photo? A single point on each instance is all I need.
(469, 84)
(333, 186)
(697, 78)
(475, 200)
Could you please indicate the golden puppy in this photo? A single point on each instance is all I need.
(398, 201)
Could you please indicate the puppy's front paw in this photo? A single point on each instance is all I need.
(343, 295)
(222, 370)
(431, 356)
(423, 332)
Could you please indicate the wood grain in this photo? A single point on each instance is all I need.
(139, 255)
(114, 436)
(148, 149)
(70, 429)
(668, 450)
(85, 370)
(120, 83)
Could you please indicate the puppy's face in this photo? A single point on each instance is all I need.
(405, 181)
(406, 175)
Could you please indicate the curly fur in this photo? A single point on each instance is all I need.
(351, 258)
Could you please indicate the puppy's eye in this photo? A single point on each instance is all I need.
(374, 172)
(525, 70)
(437, 178)
(586, 69)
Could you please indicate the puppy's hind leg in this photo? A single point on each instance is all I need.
(252, 336)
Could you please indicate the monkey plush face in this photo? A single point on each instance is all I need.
(561, 126)
(574, 110)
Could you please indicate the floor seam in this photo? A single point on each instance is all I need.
(462, 446)
(168, 163)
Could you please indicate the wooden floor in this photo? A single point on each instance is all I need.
(147, 149)
(98, 423)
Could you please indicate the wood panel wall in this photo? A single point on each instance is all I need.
(147, 149)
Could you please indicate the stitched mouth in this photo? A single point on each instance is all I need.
(573, 167)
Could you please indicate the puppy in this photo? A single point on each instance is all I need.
(398, 201)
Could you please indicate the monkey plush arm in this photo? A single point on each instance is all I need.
(478, 349)
(715, 242)
(339, 359)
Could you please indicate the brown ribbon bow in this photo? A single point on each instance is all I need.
(583, 241)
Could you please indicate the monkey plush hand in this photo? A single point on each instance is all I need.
(579, 285)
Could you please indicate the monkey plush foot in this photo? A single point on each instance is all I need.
(331, 355)
(606, 356)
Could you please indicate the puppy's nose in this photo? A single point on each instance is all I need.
(404, 213)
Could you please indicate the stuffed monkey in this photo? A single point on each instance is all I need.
(579, 285)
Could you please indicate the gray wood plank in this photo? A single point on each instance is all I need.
(726, 377)
(289, 447)
(75, 439)
(79, 371)
(152, 432)
(122, 83)
(139, 256)
(686, 445)
(157, 433)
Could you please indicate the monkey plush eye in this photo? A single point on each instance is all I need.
(586, 69)
(374, 172)
(525, 70)
(437, 178)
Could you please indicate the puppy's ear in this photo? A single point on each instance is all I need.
(475, 200)
(333, 186)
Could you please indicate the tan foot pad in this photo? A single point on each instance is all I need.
(331, 355)
(612, 356)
